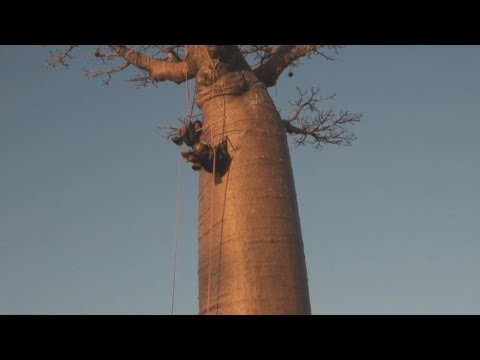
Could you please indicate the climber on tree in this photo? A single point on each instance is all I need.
(188, 134)
(203, 156)
(200, 154)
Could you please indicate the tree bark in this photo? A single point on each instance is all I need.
(251, 255)
(282, 57)
(158, 70)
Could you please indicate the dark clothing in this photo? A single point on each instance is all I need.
(188, 134)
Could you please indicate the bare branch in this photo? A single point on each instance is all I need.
(280, 57)
(105, 73)
(159, 70)
(143, 80)
(321, 126)
(60, 57)
(311, 102)
(168, 62)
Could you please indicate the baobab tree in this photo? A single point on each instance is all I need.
(251, 257)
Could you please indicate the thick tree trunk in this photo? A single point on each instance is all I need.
(251, 256)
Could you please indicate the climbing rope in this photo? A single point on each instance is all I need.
(212, 191)
(210, 240)
(177, 213)
(214, 65)
(177, 218)
(190, 105)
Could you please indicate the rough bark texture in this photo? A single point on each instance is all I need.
(251, 256)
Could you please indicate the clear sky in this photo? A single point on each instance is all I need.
(88, 187)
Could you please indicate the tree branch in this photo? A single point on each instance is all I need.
(311, 102)
(158, 70)
(108, 73)
(61, 57)
(323, 127)
(280, 57)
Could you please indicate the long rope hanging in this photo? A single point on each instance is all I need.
(177, 212)
(177, 218)
(214, 65)
(210, 240)
(211, 205)
(188, 117)
(212, 191)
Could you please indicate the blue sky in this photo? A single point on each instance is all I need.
(88, 187)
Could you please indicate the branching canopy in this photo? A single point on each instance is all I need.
(316, 126)
(311, 124)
